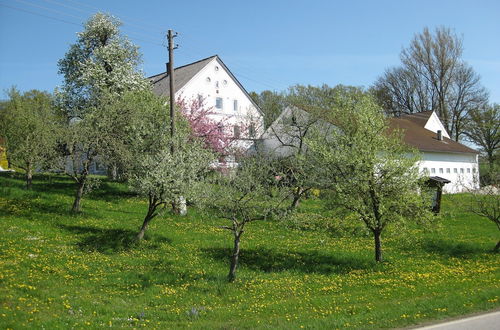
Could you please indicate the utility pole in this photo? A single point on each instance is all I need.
(171, 35)
(179, 205)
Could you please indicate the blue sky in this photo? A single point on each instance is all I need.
(267, 44)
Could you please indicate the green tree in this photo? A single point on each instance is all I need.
(251, 193)
(100, 67)
(153, 170)
(484, 130)
(486, 201)
(308, 107)
(29, 126)
(271, 103)
(368, 171)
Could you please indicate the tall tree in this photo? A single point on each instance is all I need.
(484, 130)
(154, 171)
(433, 76)
(369, 171)
(28, 124)
(100, 66)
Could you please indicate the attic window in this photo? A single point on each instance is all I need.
(208, 80)
(224, 82)
(216, 68)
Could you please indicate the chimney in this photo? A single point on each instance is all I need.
(439, 135)
(168, 72)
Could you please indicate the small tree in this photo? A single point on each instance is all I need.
(485, 202)
(244, 197)
(369, 172)
(28, 124)
(484, 130)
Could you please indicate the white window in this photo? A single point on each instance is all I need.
(218, 103)
(426, 171)
(474, 170)
(462, 171)
(433, 170)
(441, 171)
(235, 105)
(448, 170)
(468, 170)
(455, 170)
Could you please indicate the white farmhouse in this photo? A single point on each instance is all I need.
(442, 158)
(210, 81)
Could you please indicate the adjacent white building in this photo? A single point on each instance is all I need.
(441, 156)
(211, 82)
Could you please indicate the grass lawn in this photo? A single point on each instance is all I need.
(59, 270)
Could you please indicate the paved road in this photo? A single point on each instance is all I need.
(489, 321)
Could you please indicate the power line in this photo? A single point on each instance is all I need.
(268, 83)
(69, 22)
(141, 36)
(38, 14)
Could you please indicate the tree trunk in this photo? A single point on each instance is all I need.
(144, 227)
(29, 177)
(113, 172)
(296, 198)
(78, 196)
(497, 247)
(378, 245)
(234, 258)
(149, 216)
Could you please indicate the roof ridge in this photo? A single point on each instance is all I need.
(183, 66)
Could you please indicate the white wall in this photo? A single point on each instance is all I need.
(434, 124)
(214, 81)
(461, 169)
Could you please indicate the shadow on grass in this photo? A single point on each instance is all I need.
(111, 191)
(110, 241)
(267, 260)
(451, 249)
